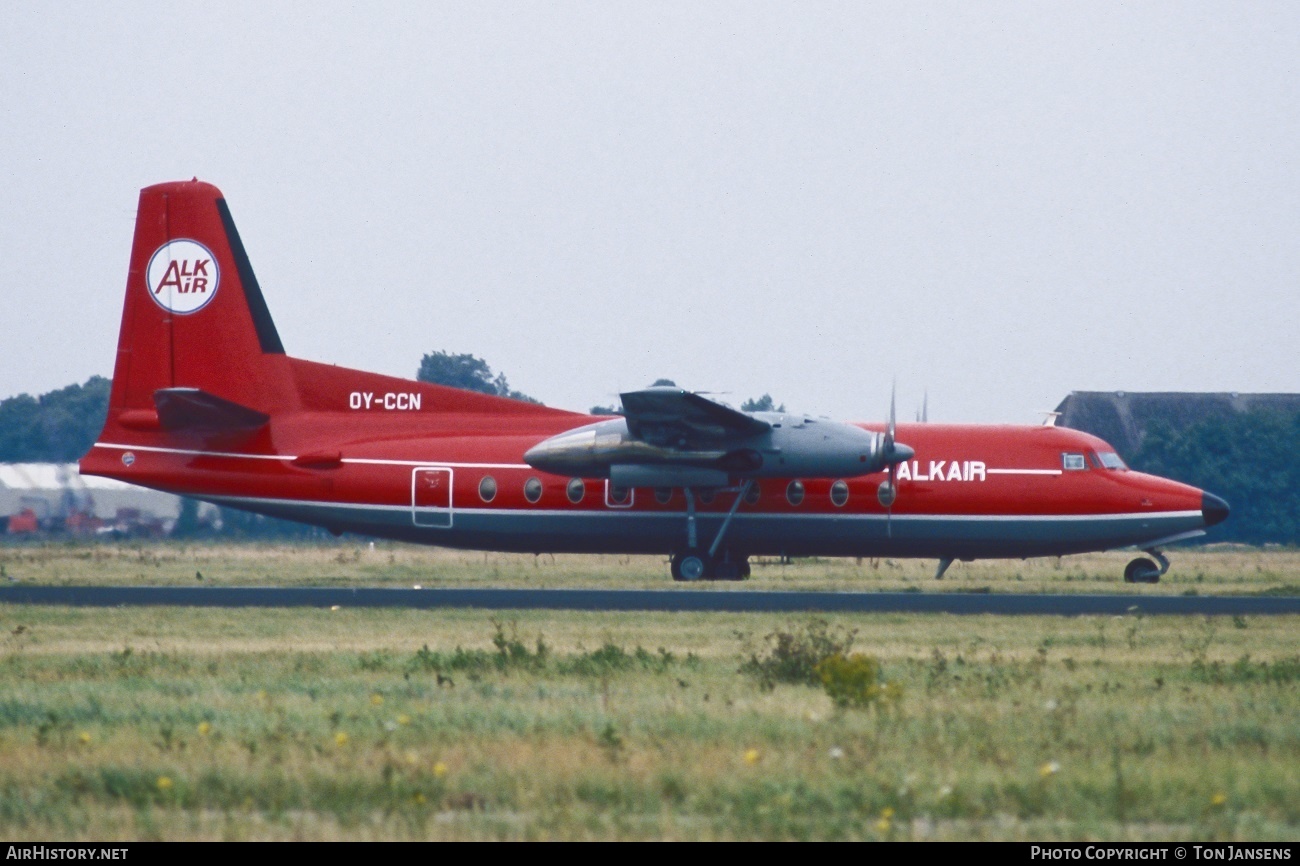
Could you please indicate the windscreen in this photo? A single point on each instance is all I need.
(1110, 460)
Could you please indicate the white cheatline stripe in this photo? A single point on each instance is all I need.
(187, 452)
(434, 464)
(376, 461)
(309, 503)
(839, 515)
(1023, 471)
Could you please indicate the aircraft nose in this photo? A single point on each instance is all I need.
(1213, 509)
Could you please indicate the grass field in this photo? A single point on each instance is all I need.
(173, 723)
(1219, 569)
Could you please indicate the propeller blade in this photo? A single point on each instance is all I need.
(893, 494)
(889, 430)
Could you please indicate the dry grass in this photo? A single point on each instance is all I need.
(1218, 569)
(174, 723)
(121, 724)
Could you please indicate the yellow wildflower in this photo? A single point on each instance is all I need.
(751, 757)
(376, 699)
(164, 783)
(340, 739)
(439, 770)
(205, 728)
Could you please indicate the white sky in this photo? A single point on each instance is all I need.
(997, 202)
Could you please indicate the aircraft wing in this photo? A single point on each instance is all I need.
(671, 416)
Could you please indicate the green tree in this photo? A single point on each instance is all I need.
(467, 373)
(57, 427)
(1248, 458)
(762, 404)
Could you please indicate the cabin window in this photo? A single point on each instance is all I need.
(1073, 462)
(620, 496)
(707, 495)
(794, 492)
(753, 494)
(839, 494)
(533, 489)
(663, 494)
(487, 488)
(575, 490)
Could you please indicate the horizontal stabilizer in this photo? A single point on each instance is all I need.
(193, 409)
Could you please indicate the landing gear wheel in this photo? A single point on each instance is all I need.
(691, 565)
(729, 568)
(1142, 570)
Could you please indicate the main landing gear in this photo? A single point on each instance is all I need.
(1143, 570)
(694, 562)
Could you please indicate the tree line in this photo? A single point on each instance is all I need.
(1251, 459)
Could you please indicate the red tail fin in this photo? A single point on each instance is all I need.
(194, 314)
(199, 361)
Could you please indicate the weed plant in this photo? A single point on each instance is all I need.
(792, 655)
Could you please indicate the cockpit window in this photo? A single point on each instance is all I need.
(1110, 460)
(1073, 462)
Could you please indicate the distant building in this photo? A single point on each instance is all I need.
(57, 495)
(1122, 417)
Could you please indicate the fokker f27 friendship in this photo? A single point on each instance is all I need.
(205, 403)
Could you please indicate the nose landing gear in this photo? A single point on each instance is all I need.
(1143, 570)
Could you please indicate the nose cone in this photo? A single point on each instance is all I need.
(900, 453)
(1213, 509)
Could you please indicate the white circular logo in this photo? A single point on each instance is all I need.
(182, 276)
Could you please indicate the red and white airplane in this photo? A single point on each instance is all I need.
(205, 403)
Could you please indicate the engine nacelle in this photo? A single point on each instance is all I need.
(793, 446)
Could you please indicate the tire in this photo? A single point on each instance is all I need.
(726, 571)
(691, 565)
(1142, 570)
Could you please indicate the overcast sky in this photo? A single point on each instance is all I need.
(996, 202)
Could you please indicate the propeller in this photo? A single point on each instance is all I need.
(892, 453)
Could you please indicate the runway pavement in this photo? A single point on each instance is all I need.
(682, 599)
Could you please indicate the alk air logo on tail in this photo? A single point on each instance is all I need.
(183, 276)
